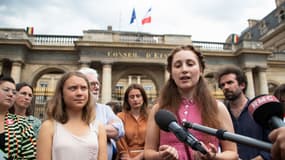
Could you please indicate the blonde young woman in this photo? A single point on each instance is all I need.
(186, 95)
(68, 132)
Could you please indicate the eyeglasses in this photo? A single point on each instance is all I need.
(94, 84)
(24, 94)
(7, 90)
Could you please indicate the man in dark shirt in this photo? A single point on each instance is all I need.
(233, 83)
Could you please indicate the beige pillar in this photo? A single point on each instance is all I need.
(84, 65)
(53, 83)
(106, 83)
(263, 85)
(166, 75)
(16, 71)
(250, 85)
(138, 79)
(130, 80)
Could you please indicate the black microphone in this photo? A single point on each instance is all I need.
(167, 122)
(267, 111)
(224, 135)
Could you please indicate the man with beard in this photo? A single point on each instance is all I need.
(232, 81)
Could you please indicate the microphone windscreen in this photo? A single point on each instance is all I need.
(163, 118)
(263, 107)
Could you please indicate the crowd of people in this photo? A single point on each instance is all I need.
(78, 127)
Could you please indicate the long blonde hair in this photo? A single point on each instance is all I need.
(56, 108)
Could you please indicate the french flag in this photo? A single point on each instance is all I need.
(147, 17)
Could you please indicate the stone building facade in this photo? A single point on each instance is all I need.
(122, 58)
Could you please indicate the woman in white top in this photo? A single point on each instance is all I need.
(67, 134)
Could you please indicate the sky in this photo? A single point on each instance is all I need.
(204, 20)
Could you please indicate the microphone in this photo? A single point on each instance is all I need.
(167, 122)
(267, 111)
(224, 135)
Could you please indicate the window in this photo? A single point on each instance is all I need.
(43, 84)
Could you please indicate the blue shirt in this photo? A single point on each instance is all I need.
(36, 124)
(105, 115)
(246, 126)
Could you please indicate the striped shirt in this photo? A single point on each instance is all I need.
(20, 141)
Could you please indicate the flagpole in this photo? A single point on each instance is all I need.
(120, 19)
(134, 20)
(142, 26)
(137, 26)
(147, 17)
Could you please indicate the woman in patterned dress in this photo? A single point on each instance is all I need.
(17, 140)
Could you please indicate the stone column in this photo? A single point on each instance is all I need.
(16, 71)
(263, 85)
(250, 92)
(106, 83)
(130, 80)
(53, 83)
(84, 65)
(166, 75)
(138, 79)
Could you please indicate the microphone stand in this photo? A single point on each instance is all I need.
(224, 135)
(194, 144)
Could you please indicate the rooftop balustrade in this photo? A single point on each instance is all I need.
(54, 40)
(64, 40)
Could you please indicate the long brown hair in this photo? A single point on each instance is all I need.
(56, 108)
(127, 106)
(170, 97)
